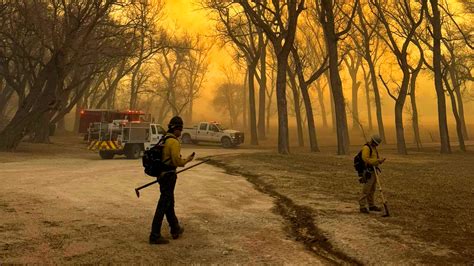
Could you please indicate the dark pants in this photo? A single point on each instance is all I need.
(165, 206)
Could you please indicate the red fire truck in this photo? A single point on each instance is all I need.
(89, 116)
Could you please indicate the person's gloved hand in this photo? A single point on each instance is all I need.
(363, 180)
(190, 157)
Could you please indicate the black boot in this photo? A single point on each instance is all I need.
(375, 209)
(158, 240)
(364, 210)
(179, 232)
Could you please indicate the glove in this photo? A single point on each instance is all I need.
(363, 180)
(190, 157)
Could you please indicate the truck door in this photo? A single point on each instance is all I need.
(214, 133)
(202, 132)
(152, 138)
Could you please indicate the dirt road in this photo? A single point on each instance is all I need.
(73, 207)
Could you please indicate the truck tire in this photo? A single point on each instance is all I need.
(133, 151)
(106, 155)
(226, 142)
(186, 139)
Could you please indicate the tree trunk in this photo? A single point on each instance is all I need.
(313, 141)
(283, 137)
(5, 95)
(14, 132)
(296, 99)
(338, 96)
(378, 101)
(462, 146)
(331, 101)
(460, 107)
(319, 90)
(399, 104)
(355, 105)
(353, 67)
(442, 118)
(268, 113)
(252, 109)
(416, 128)
(401, 146)
(262, 90)
(454, 106)
(367, 99)
(244, 104)
(41, 129)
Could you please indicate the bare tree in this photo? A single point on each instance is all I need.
(196, 68)
(399, 20)
(171, 64)
(367, 27)
(150, 40)
(225, 99)
(353, 63)
(278, 20)
(368, 98)
(452, 63)
(235, 26)
(49, 54)
(412, 92)
(435, 21)
(325, 12)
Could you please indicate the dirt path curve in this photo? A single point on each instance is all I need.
(80, 209)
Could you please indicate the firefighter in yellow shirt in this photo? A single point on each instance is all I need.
(167, 181)
(371, 158)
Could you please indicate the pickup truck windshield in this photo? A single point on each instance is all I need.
(221, 127)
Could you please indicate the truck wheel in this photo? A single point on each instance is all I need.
(106, 154)
(226, 143)
(186, 139)
(133, 151)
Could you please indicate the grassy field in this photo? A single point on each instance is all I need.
(430, 196)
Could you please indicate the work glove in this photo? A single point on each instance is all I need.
(363, 180)
(190, 157)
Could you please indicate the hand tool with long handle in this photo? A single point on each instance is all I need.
(385, 206)
(137, 190)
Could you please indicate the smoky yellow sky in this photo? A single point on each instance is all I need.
(188, 15)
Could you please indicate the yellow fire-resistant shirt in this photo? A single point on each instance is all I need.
(172, 148)
(373, 159)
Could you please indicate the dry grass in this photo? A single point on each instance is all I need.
(430, 195)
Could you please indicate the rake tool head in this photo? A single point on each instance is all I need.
(137, 192)
(387, 213)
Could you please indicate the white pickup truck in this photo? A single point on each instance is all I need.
(212, 132)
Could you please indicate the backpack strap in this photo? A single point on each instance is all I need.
(164, 138)
(370, 148)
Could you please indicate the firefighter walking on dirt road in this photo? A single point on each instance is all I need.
(371, 158)
(167, 181)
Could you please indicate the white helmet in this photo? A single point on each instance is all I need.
(377, 139)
